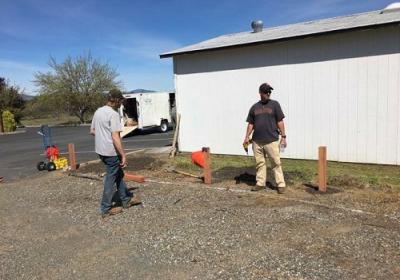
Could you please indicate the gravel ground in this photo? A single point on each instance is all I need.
(51, 229)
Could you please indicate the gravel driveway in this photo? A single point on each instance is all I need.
(51, 229)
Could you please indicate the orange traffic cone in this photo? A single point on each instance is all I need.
(198, 159)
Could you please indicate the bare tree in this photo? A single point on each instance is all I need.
(80, 83)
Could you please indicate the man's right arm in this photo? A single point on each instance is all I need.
(92, 129)
(249, 130)
(250, 126)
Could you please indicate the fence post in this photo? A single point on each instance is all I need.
(322, 169)
(207, 165)
(72, 156)
(176, 133)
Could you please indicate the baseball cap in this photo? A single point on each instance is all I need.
(114, 94)
(265, 88)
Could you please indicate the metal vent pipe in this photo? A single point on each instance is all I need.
(257, 26)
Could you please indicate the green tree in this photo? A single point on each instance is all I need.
(11, 99)
(44, 105)
(79, 84)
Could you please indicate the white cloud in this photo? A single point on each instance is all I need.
(315, 9)
(21, 66)
(63, 8)
(20, 73)
(137, 46)
(37, 19)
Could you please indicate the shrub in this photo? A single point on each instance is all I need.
(9, 123)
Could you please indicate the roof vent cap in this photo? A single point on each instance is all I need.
(257, 26)
(394, 7)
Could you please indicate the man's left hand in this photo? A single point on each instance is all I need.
(124, 162)
(283, 142)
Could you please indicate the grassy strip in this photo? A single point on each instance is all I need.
(60, 120)
(304, 171)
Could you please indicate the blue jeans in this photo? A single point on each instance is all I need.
(113, 183)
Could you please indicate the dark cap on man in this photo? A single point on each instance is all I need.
(114, 95)
(265, 88)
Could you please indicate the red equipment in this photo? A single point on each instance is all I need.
(52, 153)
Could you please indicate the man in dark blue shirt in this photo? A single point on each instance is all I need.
(265, 121)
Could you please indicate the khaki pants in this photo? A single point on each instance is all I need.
(261, 152)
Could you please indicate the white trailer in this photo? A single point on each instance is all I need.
(146, 110)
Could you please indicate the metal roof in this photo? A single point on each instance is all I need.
(336, 24)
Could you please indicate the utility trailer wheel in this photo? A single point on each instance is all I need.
(41, 166)
(164, 126)
(51, 166)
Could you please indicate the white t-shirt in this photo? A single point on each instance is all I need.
(105, 121)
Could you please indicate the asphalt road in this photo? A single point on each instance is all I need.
(20, 152)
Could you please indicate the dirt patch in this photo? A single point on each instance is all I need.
(342, 192)
(346, 181)
(313, 189)
(137, 162)
(187, 230)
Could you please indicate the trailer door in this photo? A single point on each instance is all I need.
(146, 108)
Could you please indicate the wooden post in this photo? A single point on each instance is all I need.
(173, 149)
(72, 156)
(207, 165)
(134, 178)
(322, 168)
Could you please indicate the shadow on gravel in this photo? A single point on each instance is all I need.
(247, 176)
(313, 189)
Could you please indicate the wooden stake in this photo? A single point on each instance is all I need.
(134, 178)
(207, 165)
(72, 156)
(322, 168)
(186, 174)
(173, 149)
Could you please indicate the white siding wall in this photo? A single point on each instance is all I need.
(339, 90)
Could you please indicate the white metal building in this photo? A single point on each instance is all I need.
(337, 80)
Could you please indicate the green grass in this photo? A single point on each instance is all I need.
(60, 120)
(184, 162)
(305, 171)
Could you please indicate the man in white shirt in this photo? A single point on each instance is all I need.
(106, 128)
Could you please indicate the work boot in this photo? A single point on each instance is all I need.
(135, 200)
(257, 188)
(112, 211)
(281, 190)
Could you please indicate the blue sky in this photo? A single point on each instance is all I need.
(130, 35)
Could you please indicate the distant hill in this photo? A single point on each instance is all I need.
(140, 90)
(27, 97)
